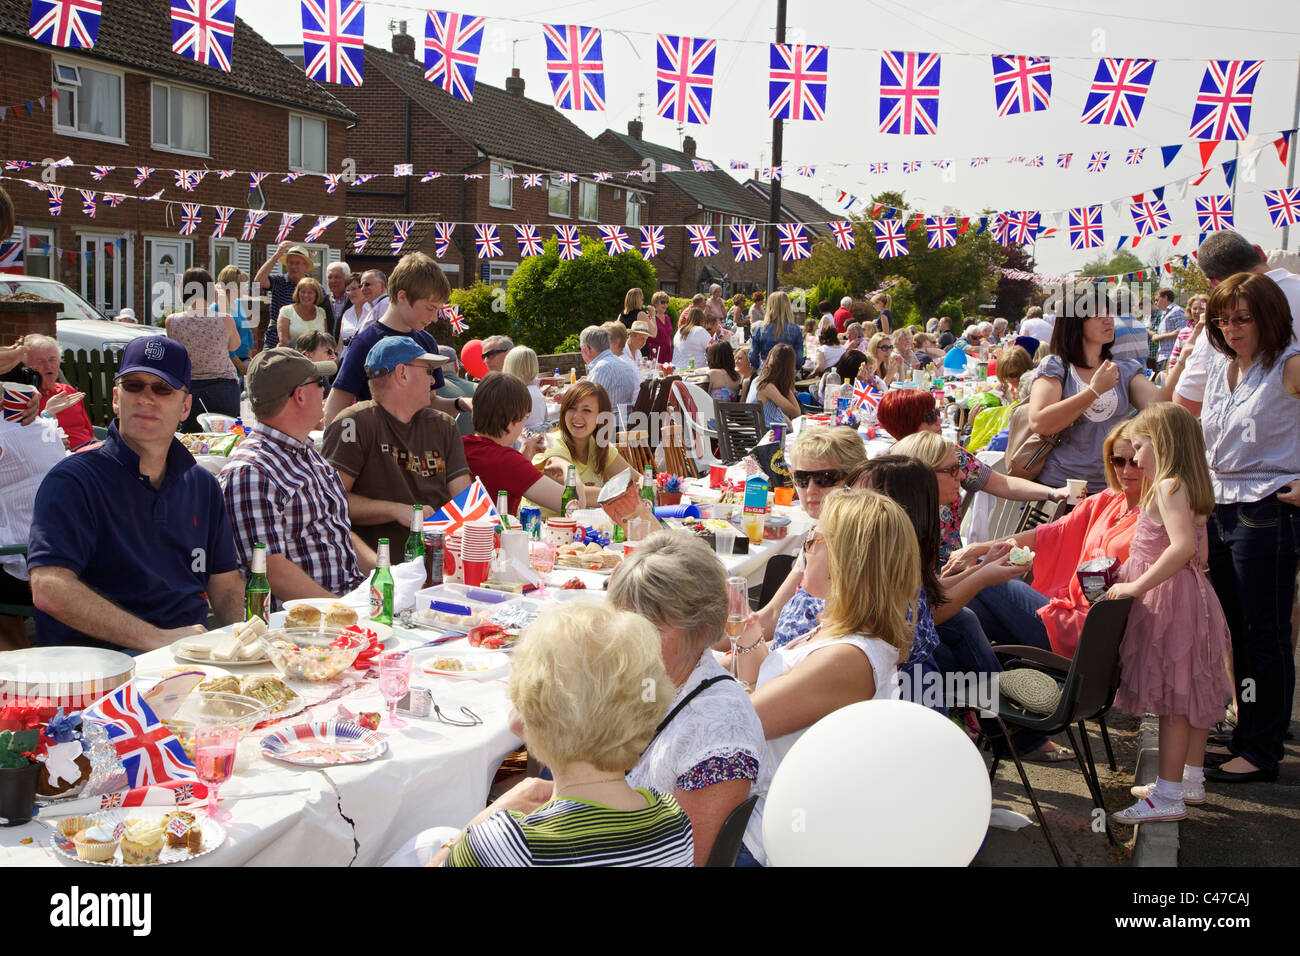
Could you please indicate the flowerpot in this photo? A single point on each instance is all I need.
(18, 793)
(670, 498)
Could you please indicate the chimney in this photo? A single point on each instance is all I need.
(404, 43)
(515, 83)
(634, 128)
(688, 147)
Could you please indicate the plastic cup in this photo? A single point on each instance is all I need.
(476, 572)
(1078, 489)
(783, 496)
(724, 542)
(753, 524)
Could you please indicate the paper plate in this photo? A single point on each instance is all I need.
(476, 664)
(214, 835)
(324, 743)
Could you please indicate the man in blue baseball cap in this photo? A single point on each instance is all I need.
(130, 540)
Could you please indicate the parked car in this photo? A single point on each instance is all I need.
(80, 324)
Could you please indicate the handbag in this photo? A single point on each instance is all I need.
(1027, 450)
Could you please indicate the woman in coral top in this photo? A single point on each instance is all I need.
(1103, 524)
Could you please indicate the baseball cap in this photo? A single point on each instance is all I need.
(394, 350)
(157, 355)
(642, 327)
(274, 373)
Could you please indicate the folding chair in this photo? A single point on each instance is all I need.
(1037, 513)
(740, 428)
(726, 847)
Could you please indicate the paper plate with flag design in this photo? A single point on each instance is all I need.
(324, 743)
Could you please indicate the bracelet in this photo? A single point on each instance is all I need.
(741, 649)
(1093, 390)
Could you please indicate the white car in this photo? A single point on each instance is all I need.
(80, 324)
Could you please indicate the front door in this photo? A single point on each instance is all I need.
(166, 264)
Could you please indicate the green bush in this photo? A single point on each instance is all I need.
(477, 306)
(675, 308)
(952, 308)
(570, 344)
(831, 289)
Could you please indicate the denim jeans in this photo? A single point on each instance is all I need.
(1009, 614)
(1253, 553)
(217, 395)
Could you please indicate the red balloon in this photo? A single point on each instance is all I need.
(471, 356)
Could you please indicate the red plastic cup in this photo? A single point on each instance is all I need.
(717, 475)
(476, 572)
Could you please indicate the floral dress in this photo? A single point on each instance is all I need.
(974, 476)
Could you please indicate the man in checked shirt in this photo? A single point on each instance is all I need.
(280, 491)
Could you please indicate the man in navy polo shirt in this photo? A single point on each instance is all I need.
(128, 537)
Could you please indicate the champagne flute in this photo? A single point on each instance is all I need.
(214, 761)
(737, 611)
(394, 682)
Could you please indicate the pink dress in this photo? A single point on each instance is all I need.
(1174, 654)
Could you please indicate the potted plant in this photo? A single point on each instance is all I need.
(18, 773)
(670, 489)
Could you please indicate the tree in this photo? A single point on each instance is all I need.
(1188, 280)
(1015, 295)
(1122, 263)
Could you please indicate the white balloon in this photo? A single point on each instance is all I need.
(878, 783)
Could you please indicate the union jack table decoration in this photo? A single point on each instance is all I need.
(451, 312)
(333, 40)
(224, 214)
(401, 233)
(318, 229)
(55, 194)
(652, 241)
(442, 232)
(941, 232)
(364, 228)
(88, 202)
(842, 233)
(252, 223)
(287, 222)
(1063, 160)
(1150, 218)
(745, 245)
(1134, 156)
(150, 753)
(191, 216)
(575, 66)
(685, 78)
(487, 241)
(796, 81)
(1098, 161)
(1022, 84)
(909, 92)
(530, 244)
(1214, 213)
(703, 242)
(1222, 108)
(472, 504)
(1283, 206)
(1118, 92)
(68, 23)
(615, 239)
(204, 31)
(570, 241)
(452, 42)
(1085, 228)
(794, 241)
(891, 238)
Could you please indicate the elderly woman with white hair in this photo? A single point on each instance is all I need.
(521, 362)
(709, 751)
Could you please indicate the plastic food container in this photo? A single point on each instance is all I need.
(458, 606)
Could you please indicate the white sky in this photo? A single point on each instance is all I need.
(966, 32)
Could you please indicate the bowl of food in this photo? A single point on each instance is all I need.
(311, 655)
(205, 707)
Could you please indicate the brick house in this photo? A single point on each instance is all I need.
(795, 207)
(130, 101)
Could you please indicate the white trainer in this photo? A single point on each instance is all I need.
(1147, 811)
(1193, 793)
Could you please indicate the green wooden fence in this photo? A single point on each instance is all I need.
(93, 373)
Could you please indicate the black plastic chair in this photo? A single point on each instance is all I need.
(774, 575)
(16, 610)
(740, 427)
(1038, 513)
(727, 845)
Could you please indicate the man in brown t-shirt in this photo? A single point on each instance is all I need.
(394, 451)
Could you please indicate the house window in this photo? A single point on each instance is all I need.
(557, 198)
(257, 199)
(306, 144)
(38, 253)
(499, 273)
(89, 103)
(320, 257)
(499, 191)
(635, 208)
(588, 201)
(180, 119)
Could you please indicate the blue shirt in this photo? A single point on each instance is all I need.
(619, 379)
(764, 341)
(151, 551)
(352, 373)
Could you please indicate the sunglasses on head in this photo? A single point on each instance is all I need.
(829, 478)
(1119, 461)
(135, 387)
(932, 417)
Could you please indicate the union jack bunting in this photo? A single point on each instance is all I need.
(472, 175)
(703, 242)
(909, 92)
(891, 238)
(652, 241)
(745, 246)
(530, 244)
(332, 181)
(575, 66)
(1222, 109)
(451, 312)
(55, 194)
(191, 216)
(189, 179)
(401, 232)
(794, 241)
(487, 240)
(941, 163)
(149, 752)
(911, 165)
(99, 172)
(1021, 84)
(291, 178)
(1085, 228)
(615, 239)
(364, 178)
(113, 199)
(566, 177)
(1118, 91)
(1035, 162)
(1063, 160)
(204, 30)
(685, 78)
(979, 161)
(472, 504)
(452, 42)
(255, 180)
(15, 165)
(505, 174)
(1214, 213)
(70, 23)
(403, 169)
(1022, 226)
(88, 202)
(318, 229)
(772, 172)
(1283, 206)
(224, 214)
(442, 232)
(570, 241)
(603, 177)
(532, 179)
(287, 222)
(364, 227)
(333, 40)
(1134, 156)
(225, 173)
(796, 82)
(702, 165)
(1099, 161)
(1002, 229)
(1150, 217)
(846, 199)
(427, 177)
(865, 394)
(842, 232)
(805, 170)
(940, 232)
(1016, 159)
(252, 223)
(738, 164)
(879, 167)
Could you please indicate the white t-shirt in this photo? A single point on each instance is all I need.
(536, 417)
(694, 346)
(1040, 329)
(27, 452)
(831, 354)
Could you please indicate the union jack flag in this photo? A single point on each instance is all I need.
(364, 178)
(530, 244)
(1063, 160)
(738, 164)
(796, 81)
(401, 232)
(575, 66)
(941, 163)
(11, 256)
(1021, 84)
(909, 92)
(15, 165)
(1035, 162)
(1118, 91)
(615, 239)
(452, 42)
(429, 176)
(1150, 217)
(88, 202)
(570, 241)
(603, 177)
(532, 179)
(204, 30)
(291, 178)
(1021, 227)
(487, 240)
(318, 230)
(806, 170)
(252, 223)
(472, 175)
(1222, 109)
(702, 165)
(287, 222)
(685, 77)
(1099, 161)
(99, 172)
(566, 177)
(1085, 228)
(940, 232)
(891, 238)
(189, 179)
(1283, 206)
(332, 181)
(1002, 229)
(403, 169)
(364, 228)
(865, 394)
(1214, 213)
(652, 241)
(911, 165)
(703, 242)
(114, 199)
(224, 214)
(794, 241)
(472, 504)
(744, 243)
(842, 231)
(442, 232)
(56, 199)
(191, 216)
(255, 180)
(772, 172)
(979, 161)
(879, 167)
(150, 753)
(846, 199)
(333, 40)
(451, 313)
(225, 173)
(1134, 156)
(69, 23)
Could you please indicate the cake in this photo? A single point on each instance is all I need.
(304, 615)
(1021, 556)
(142, 842)
(191, 839)
(340, 615)
(45, 787)
(95, 844)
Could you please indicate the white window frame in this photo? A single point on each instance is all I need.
(495, 170)
(68, 89)
(47, 235)
(126, 286)
(637, 201)
(207, 119)
(586, 188)
(301, 117)
(322, 249)
(499, 273)
(552, 189)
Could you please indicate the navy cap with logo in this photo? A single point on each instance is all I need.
(157, 355)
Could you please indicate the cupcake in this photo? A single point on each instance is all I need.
(95, 844)
(70, 826)
(142, 842)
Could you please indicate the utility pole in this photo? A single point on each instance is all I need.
(775, 209)
(1290, 158)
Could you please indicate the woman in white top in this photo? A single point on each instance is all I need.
(691, 341)
(304, 314)
(521, 362)
(829, 349)
(353, 315)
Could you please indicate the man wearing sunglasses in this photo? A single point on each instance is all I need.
(130, 540)
(495, 349)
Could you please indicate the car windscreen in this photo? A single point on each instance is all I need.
(71, 305)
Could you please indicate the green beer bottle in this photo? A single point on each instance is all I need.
(569, 500)
(648, 488)
(257, 592)
(415, 540)
(503, 511)
(381, 586)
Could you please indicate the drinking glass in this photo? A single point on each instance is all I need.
(394, 682)
(542, 557)
(214, 761)
(737, 611)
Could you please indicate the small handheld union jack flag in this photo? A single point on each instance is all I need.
(1222, 109)
(252, 223)
(191, 216)
(685, 78)
(1134, 156)
(452, 42)
(1085, 228)
(909, 93)
(703, 242)
(333, 40)
(1021, 84)
(287, 222)
(472, 504)
(401, 232)
(364, 228)
(940, 232)
(69, 23)
(224, 213)
(842, 231)
(1283, 206)
(744, 243)
(451, 312)
(532, 179)
(442, 232)
(570, 242)
(794, 241)
(1118, 92)
(1150, 217)
(88, 202)
(150, 753)
(530, 244)
(487, 241)
(255, 180)
(1214, 213)
(865, 395)
(204, 30)
(615, 239)
(652, 241)
(891, 238)
(575, 66)
(318, 229)
(99, 172)
(1098, 161)
(55, 194)
(796, 81)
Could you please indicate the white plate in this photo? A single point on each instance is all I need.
(488, 665)
(595, 580)
(383, 631)
(214, 835)
(211, 639)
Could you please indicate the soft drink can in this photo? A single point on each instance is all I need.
(529, 517)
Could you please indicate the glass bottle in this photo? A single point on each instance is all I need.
(381, 586)
(415, 540)
(257, 592)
